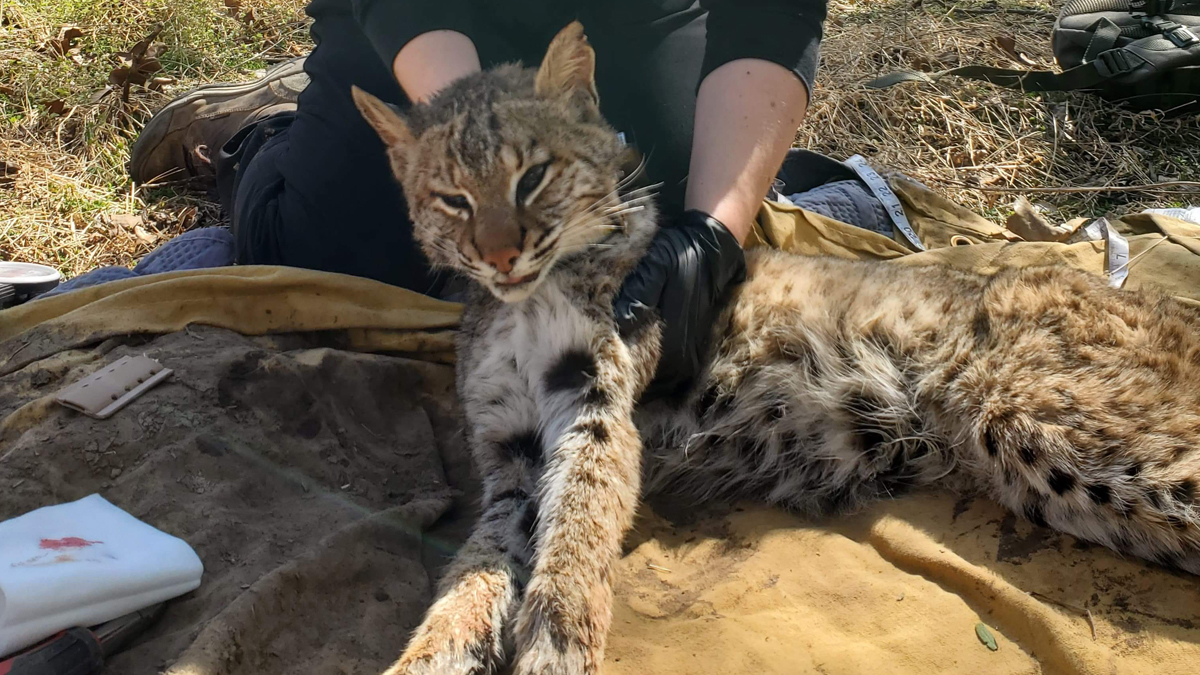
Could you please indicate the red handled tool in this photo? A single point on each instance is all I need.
(81, 651)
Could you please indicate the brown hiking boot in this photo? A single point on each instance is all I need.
(178, 142)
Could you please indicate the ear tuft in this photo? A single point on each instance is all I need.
(569, 66)
(390, 127)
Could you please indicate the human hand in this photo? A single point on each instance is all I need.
(685, 276)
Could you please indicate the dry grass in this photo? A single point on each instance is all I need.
(972, 140)
(70, 192)
(981, 144)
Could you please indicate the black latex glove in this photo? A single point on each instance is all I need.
(685, 277)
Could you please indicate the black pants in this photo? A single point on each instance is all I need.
(312, 189)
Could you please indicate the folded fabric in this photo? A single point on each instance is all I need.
(83, 563)
(1191, 214)
(198, 249)
(849, 201)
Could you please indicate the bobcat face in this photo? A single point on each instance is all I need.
(507, 172)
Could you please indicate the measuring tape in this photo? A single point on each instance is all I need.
(1116, 250)
(885, 195)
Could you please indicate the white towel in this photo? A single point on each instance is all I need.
(81, 564)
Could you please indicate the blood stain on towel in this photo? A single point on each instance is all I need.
(66, 542)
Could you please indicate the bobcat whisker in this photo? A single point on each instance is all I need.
(635, 174)
(640, 194)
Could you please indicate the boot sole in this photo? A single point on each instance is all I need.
(277, 72)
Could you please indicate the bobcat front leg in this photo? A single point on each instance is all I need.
(464, 631)
(588, 495)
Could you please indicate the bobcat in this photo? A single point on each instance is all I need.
(829, 383)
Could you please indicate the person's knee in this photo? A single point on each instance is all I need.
(254, 212)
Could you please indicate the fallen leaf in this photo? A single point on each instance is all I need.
(1008, 45)
(99, 96)
(157, 83)
(8, 174)
(56, 107)
(962, 159)
(77, 57)
(127, 222)
(187, 217)
(232, 7)
(144, 235)
(1029, 224)
(6, 90)
(923, 63)
(985, 636)
(65, 42)
(135, 66)
(253, 24)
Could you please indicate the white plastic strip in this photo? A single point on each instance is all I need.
(890, 201)
(1116, 249)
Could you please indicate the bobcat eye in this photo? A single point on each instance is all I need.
(529, 182)
(455, 201)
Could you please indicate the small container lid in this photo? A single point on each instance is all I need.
(28, 274)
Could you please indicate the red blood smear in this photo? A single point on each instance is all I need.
(66, 542)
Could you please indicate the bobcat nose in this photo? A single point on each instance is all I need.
(502, 259)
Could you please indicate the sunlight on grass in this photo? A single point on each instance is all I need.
(70, 149)
(968, 140)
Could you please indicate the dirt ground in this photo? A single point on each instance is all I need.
(303, 478)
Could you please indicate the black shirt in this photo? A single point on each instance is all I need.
(786, 32)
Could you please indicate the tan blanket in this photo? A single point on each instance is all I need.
(318, 470)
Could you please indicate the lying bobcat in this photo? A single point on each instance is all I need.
(830, 382)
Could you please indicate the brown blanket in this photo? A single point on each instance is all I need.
(318, 471)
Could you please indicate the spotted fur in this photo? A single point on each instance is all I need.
(830, 382)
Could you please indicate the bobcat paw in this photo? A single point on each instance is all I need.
(545, 654)
(553, 640)
(441, 664)
(429, 656)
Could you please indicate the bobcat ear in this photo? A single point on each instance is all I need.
(569, 66)
(393, 130)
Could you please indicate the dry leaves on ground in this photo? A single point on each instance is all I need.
(136, 66)
(8, 174)
(64, 45)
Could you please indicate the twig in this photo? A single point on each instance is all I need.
(1149, 187)
(1129, 263)
(1046, 598)
(14, 354)
(1002, 10)
(1091, 623)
